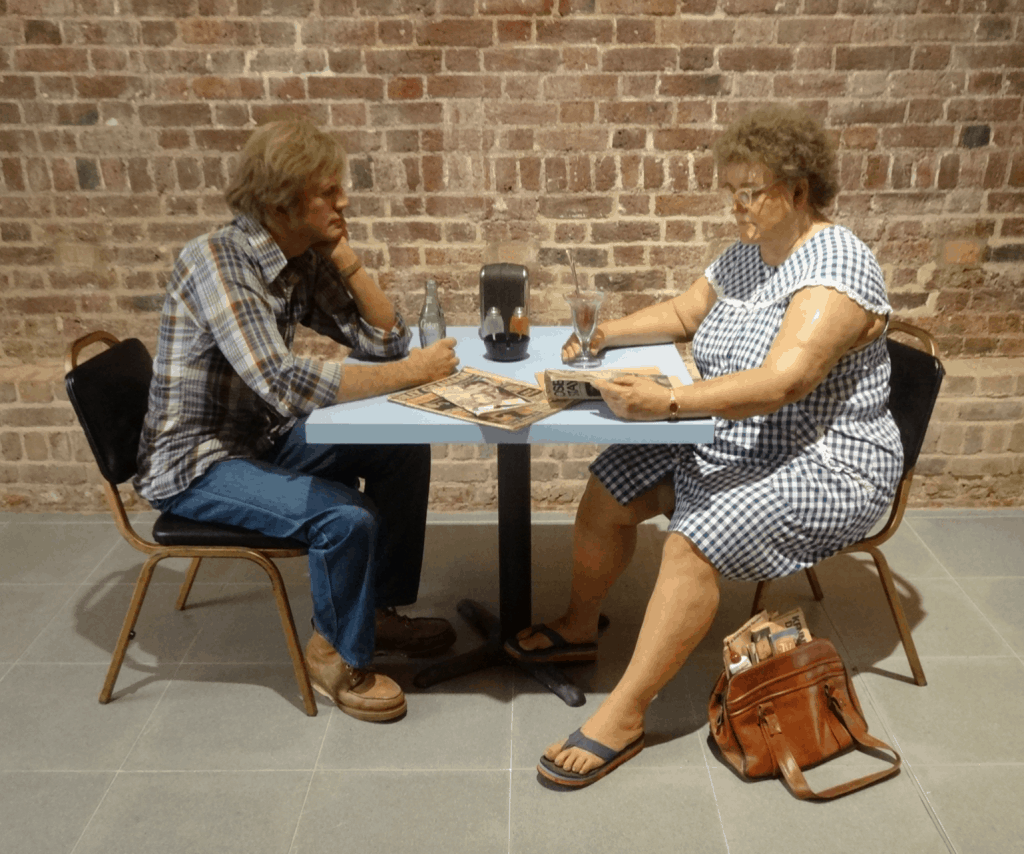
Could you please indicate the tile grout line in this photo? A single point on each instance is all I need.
(75, 589)
(865, 691)
(105, 558)
(917, 783)
(99, 804)
(930, 809)
(156, 705)
(866, 696)
(704, 750)
(121, 770)
(980, 613)
(511, 740)
(309, 785)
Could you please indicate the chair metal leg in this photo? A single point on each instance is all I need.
(889, 585)
(812, 579)
(290, 635)
(758, 596)
(186, 585)
(128, 628)
(762, 586)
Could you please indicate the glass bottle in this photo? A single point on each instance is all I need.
(493, 323)
(520, 323)
(432, 326)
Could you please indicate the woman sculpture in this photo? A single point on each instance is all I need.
(787, 329)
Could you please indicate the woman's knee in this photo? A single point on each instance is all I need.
(599, 507)
(684, 562)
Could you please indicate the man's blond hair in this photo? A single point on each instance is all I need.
(277, 163)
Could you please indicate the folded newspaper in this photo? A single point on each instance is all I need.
(578, 385)
(483, 398)
(480, 395)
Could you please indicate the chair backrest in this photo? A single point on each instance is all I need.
(916, 378)
(110, 395)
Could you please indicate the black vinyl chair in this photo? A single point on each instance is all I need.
(110, 394)
(916, 378)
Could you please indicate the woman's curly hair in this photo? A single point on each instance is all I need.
(790, 143)
(276, 164)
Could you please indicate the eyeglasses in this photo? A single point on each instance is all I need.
(746, 196)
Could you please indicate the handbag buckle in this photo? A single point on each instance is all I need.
(767, 719)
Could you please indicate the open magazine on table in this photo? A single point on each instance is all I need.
(483, 398)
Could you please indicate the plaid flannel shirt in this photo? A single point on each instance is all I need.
(225, 382)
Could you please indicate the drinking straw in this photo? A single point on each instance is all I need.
(572, 266)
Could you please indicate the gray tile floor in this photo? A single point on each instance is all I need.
(205, 747)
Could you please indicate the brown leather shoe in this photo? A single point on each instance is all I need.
(416, 637)
(363, 694)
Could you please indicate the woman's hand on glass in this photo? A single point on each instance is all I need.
(572, 348)
(635, 398)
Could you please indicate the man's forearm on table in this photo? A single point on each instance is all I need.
(361, 381)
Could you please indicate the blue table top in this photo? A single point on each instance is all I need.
(379, 421)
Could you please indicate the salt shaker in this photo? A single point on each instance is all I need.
(493, 323)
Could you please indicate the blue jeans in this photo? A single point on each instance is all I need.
(365, 548)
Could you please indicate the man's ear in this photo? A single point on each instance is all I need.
(280, 215)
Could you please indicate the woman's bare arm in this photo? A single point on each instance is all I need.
(820, 326)
(673, 320)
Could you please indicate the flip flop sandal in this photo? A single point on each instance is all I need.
(561, 651)
(612, 760)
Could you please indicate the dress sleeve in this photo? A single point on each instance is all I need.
(717, 272)
(230, 299)
(843, 262)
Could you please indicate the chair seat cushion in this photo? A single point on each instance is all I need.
(171, 530)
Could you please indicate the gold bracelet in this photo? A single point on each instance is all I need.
(350, 270)
(673, 407)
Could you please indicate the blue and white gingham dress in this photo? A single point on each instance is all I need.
(773, 494)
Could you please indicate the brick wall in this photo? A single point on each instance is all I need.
(507, 129)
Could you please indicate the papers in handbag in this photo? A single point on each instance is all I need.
(763, 636)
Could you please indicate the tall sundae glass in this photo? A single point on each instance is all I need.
(585, 306)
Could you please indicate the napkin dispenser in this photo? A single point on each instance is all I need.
(506, 286)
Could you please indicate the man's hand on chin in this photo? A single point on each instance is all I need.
(338, 249)
(328, 248)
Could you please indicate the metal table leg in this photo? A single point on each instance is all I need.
(514, 589)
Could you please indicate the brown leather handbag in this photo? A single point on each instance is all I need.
(793, 711)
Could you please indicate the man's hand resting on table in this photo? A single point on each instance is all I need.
(434, 362)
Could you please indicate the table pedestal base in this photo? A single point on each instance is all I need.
(491, 654)
(514, 589)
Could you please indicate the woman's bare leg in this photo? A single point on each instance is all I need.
(604, 538)
(679, 613)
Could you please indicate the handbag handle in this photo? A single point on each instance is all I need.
(783, 756)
